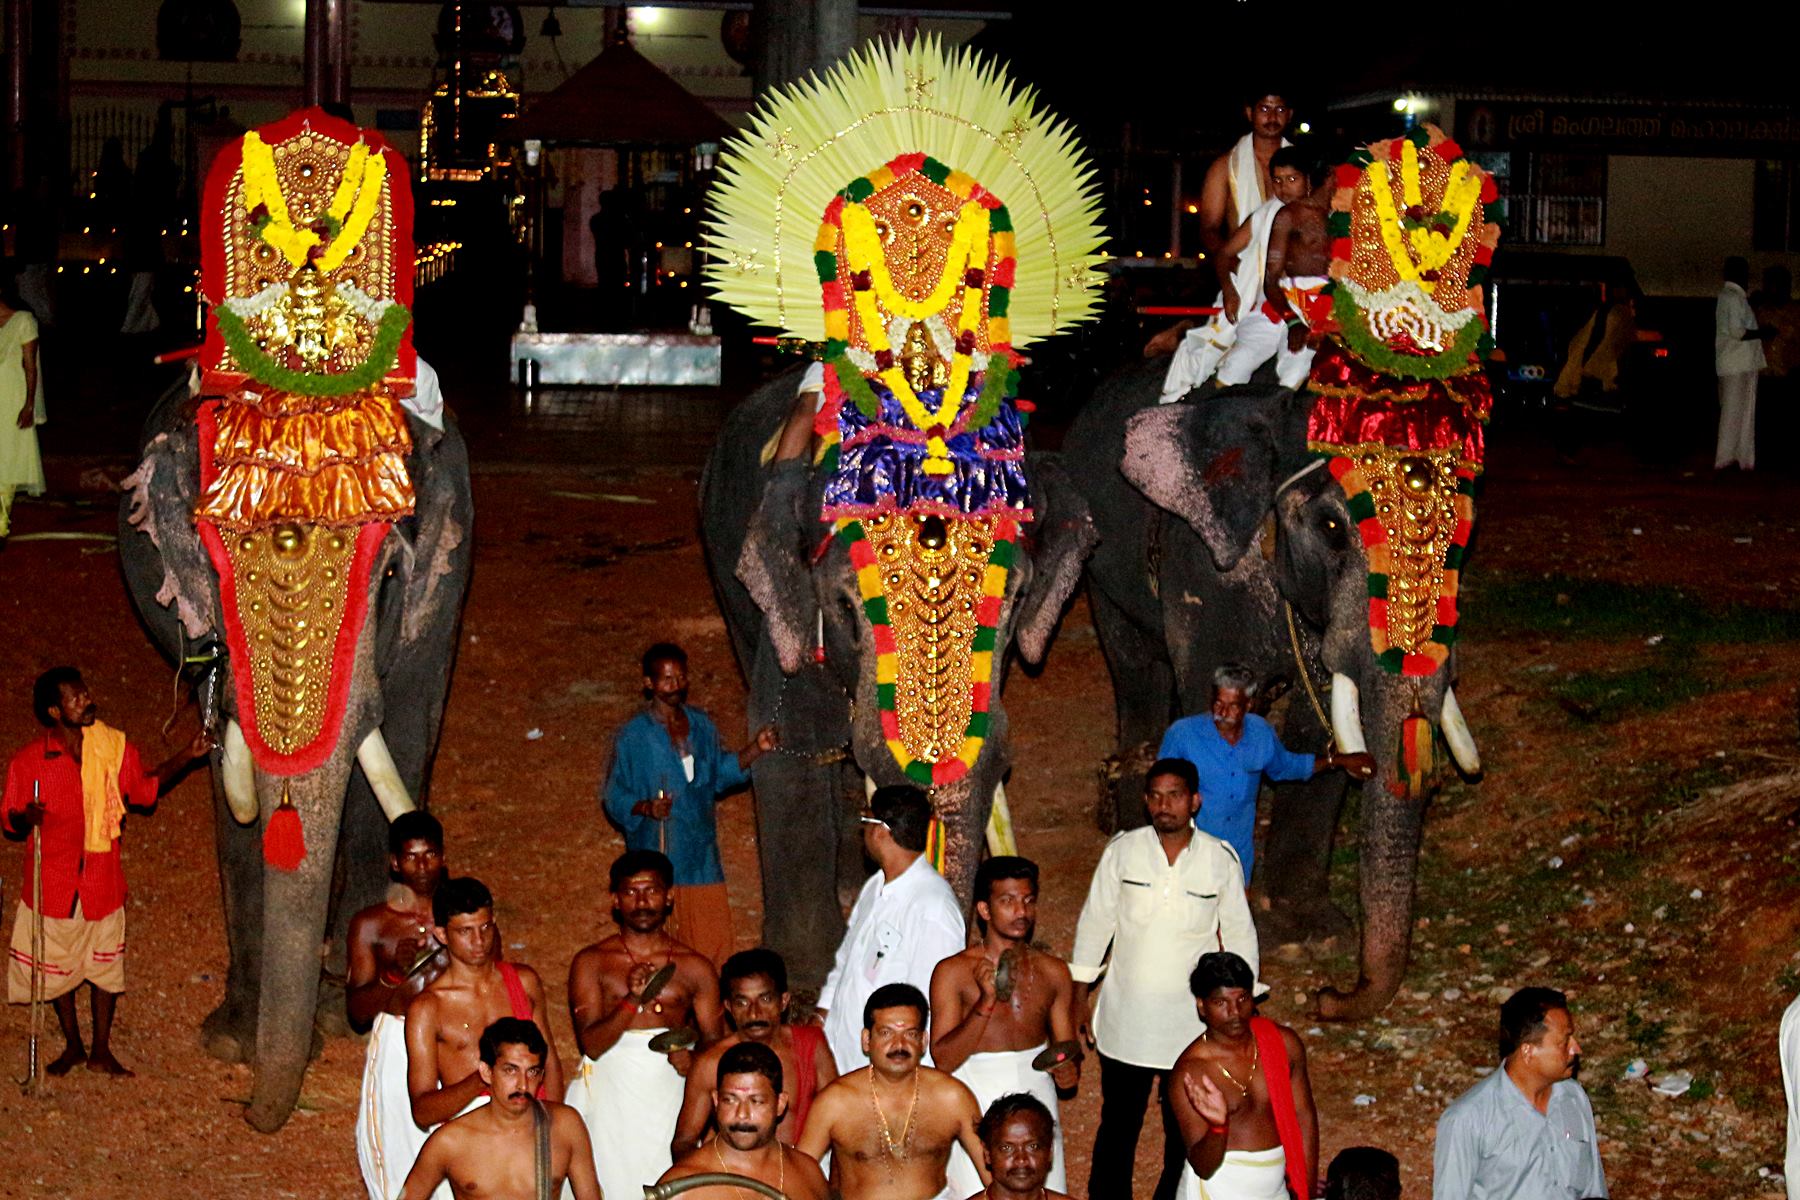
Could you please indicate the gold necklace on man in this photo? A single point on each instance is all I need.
(781, 1170)
(887, 1135)
(1255, 1058)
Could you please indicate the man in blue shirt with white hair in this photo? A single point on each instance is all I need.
(1232, 748)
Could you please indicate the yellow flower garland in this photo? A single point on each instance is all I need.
(859, 235)
(1433, 249)
(862, 246)
(352, 205)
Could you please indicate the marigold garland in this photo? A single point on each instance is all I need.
(887, 665)
(384, 350)
(1361, 505)
(347, 219)
(1455, 359)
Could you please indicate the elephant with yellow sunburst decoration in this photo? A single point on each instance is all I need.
(917, 218)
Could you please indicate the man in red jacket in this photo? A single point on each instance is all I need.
(85, 775)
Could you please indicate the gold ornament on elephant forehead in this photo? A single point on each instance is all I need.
(931, 570)
(1414, 493)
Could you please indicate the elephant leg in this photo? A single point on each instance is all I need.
(1292, 872)
(1143, 694)
(229, 1032)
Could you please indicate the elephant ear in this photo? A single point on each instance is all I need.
(1061, 536)
(158, 545)
(773, 564)
(1211, 463)
(435, 558)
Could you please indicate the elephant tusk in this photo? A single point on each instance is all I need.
(238, 775)
(1346, 715)
(1457, 735)
(383, 776)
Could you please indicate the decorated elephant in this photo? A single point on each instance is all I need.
(302, 536)
(878, 535)
(1317, 537)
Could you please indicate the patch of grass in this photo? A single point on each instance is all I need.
(1520, 604)
(1646, 1037)
(1605, 697)
(1702, 1088)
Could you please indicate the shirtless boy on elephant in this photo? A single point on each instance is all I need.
(444, 1022)
(492, 1153)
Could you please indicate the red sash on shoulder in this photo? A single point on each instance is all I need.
(1273, 1053)
(518, 998)
(806, 1083)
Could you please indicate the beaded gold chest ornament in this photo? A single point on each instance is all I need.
(1402, 395)
(917, 217)
(307, 264)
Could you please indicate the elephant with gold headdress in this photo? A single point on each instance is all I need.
(914, 217)
(1318, 537)
(303, 535)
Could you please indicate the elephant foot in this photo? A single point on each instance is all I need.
(267, 1119)
(226, 1036)
(1319, 924)
(1364, 1001)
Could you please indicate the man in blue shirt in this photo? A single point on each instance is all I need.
(1232, 748)
(668, 771)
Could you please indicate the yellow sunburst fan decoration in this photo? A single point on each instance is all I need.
(810, 140)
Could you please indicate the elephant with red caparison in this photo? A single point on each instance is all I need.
(1223, 538)
(277, 921)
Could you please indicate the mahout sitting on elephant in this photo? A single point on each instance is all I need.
(1318, 537)
(300, 534)
(875, 587)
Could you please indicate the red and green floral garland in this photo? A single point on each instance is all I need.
(1361, 504)
(1002, 375)
(887, 664)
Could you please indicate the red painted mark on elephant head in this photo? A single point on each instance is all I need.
(1229, 465)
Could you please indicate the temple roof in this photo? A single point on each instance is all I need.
(622, 99)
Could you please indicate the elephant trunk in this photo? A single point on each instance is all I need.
(1390, 851)
(295, 905)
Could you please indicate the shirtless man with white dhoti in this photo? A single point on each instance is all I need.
(625, 991)
(992, 1024)
(891, 1125)
(387, 941)
(1286, 325)
(1245, 1103)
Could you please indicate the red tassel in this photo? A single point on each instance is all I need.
(284, 843)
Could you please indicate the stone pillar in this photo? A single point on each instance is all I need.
(794, 37)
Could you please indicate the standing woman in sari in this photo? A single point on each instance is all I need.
(21, 406)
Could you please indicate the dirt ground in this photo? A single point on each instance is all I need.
(1633, 840)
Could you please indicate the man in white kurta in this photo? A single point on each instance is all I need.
(1737, 357)
(1162, 896)
(905, 922)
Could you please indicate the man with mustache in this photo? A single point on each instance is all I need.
(386, 941)
(444, 1022)
(494, 1152)
(756, 995)
(1527, 1130)
(86, 774)
(1020, 1138)
(747, 1105)
(1245, 1103)
(891, 1125)
(987, 1040)
(668, 770)
(629, 1093)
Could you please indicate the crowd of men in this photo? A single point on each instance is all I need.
(934, 1061)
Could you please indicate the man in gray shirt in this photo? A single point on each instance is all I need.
(1526, 1132)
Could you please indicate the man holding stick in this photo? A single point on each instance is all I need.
(71, 788)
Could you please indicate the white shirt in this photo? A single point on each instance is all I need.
(1790, 1082)
(899, 932)
(1159, 919)
(1732, 319)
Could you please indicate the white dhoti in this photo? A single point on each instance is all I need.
(1261, 337)
(1203, 348)
(630, 1098)
(991, 1076)
(1244, 1175)
(387, 1141)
